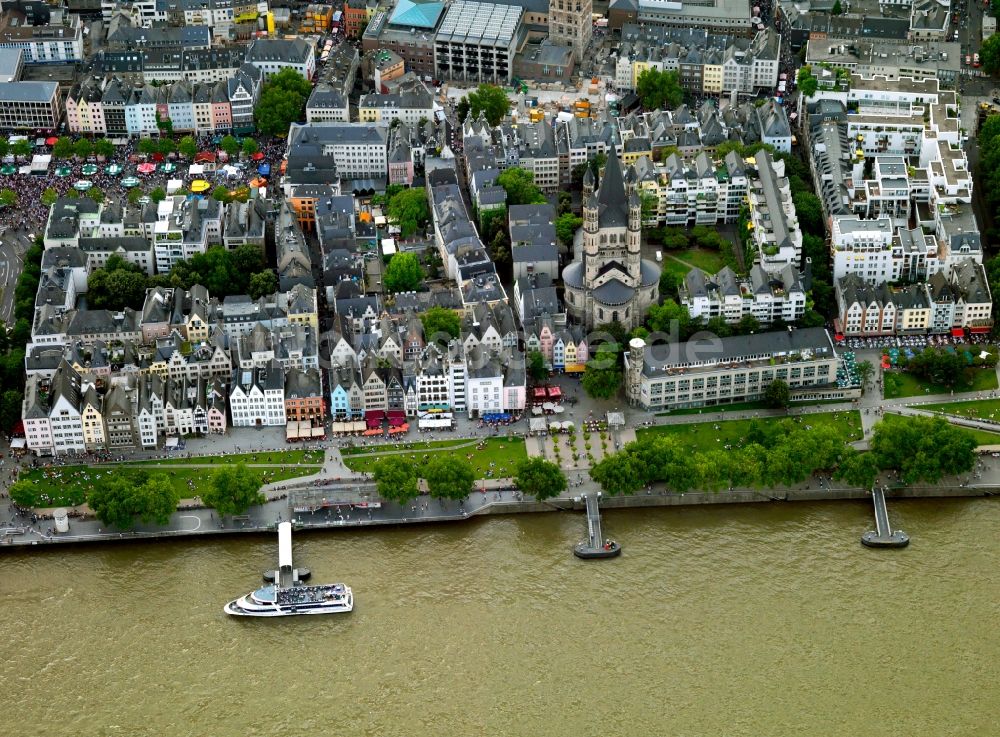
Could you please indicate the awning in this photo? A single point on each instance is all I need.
(980, 331)
(958, 332)
(576, 368)
(173, 442)
(17, 443)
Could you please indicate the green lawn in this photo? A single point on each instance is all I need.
(976, 409)
(706, 435)
(710, 261)
(267, 458)
(418, 444)
(909, 385)
(68, 485)
(502, 453)
(982, 437)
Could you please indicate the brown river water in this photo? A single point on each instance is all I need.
(757, 620)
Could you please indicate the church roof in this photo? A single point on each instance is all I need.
(611, 199)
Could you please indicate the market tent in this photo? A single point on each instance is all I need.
(63, 171)
(113, 170)
(196, 170)
(89, 170)
(128, 182)
(51, 141)
(536, 424)
(8, 169)
(200, 185)
(173, 185)
(258, 156)
(83, 185)
(146, 168)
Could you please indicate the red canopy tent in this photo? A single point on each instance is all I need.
(374, 414)
(51, 141)
(204, 157)
(258, 156)
(539, 392)
(555, 392)
(958, 332)
(369, 433)
(838, 337)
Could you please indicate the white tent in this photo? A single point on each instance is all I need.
(536, 424)
(196, 170)
(558, 409)
(536, 411)
(173, 185)
(548, 407)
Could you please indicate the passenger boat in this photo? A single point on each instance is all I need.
(287, 596)
(273, 601)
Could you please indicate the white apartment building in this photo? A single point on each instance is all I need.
(183, 228)
(257, 397)
(360, 150)
(768, 297)
(775, 232)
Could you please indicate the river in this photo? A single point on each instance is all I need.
(757, 620)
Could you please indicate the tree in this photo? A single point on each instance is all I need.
(659, 90)
(618, 474)
(669, 282)
(250, 147)
(158, 194)
(940, 367)
(282, 101)
(989, 55)
(536, 366)
(10, 409)
(448, 476)
(836, 10)
(777, 394)
(116, 288)
(670, 318)
(409, 210)
(96, 194)
(488, 99)
(49, 196)
(187, 147)
(221, 194)
(104, 148)
(263, 284)
(83, 148)
(540, 478)
(230, 145)
(121, 497)
(865, 372)
(519, 184)
(21, 149)
(166, 146)
(566, 226)
(923, 449)
(63, 148)
(4, 146)
(809, 211)
(565, 203)
(806, 82)
(8, 197)
(233, 490)
(396, 479)
(403, 274)
(440, 320)
(602, 379)
(858, 469)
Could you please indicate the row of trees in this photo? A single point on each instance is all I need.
(125, 496)
(451, 477)
(784, 454)
(14, 338)
(243, 270)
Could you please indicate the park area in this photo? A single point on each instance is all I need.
(976, 409)
(67, 486)
(701, 436)
(982, 437)
(681, 262)
(899, 384)
(488, 458)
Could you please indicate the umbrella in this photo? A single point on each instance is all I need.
(157, 157)
(113, 170)
(264, 170)
(258, 156)
(146, 168)
(130, 182)
(89, 170)
(8, 169)
(51, 141)
(83, 185)
(200, 185)
(63, 171)
(167, 168)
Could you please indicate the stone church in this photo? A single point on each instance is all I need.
(609, 281)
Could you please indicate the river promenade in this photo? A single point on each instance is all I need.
(341, 489)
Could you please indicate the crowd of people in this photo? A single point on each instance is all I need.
(30, 212)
